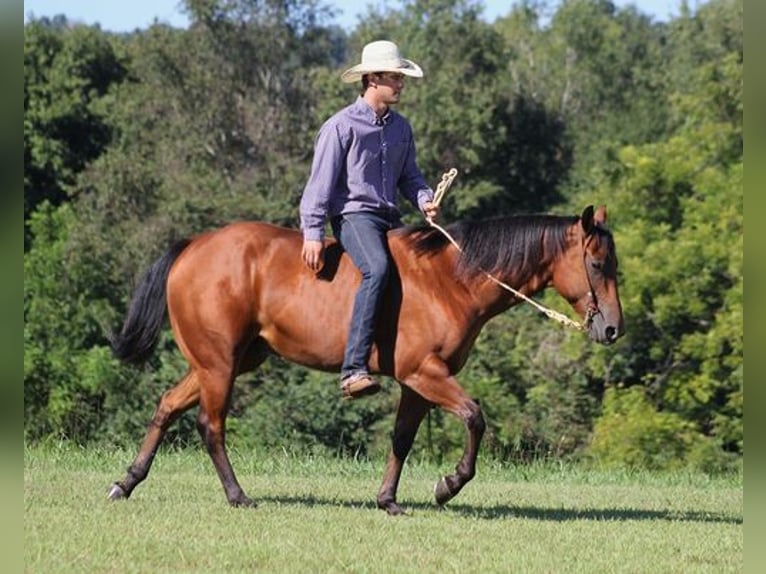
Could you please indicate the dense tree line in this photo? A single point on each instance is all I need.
(134, 140)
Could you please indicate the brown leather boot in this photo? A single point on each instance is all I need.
(358, 385)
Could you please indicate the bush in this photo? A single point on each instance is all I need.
(631, 433)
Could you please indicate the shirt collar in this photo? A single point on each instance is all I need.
(368, 113)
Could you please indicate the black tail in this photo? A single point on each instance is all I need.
(136, 341)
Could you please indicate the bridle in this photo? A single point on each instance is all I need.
(591, 308)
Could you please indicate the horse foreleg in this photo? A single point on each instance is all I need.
(172, 404)
(433, 382)
(412, 409)
(211, 423)
(448, 487)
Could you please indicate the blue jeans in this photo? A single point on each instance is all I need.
(363, 237)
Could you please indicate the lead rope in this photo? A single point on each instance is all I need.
(441, 189)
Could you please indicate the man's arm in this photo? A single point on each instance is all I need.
(325, 170)
(413, 185)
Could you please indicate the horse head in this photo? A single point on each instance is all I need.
(590, 282)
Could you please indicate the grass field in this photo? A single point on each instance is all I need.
(319, 515)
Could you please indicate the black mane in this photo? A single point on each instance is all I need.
(515, 244)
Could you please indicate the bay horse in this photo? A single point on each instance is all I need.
(239, 293)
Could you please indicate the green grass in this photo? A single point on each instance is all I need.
(318, 515)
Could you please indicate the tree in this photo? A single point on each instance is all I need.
(67, 72)
(597, 70)
(208, 129)
(216, 123)
(681, 203)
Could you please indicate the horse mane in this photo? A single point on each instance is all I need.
(515, 244)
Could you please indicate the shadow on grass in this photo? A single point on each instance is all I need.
(502, 511)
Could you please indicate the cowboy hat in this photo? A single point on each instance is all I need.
(381, 56)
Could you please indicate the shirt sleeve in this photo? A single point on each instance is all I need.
(412, 183)
(326, 167)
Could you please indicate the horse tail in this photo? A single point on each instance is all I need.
(136, 342)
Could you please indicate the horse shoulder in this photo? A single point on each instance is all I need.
(434, 299)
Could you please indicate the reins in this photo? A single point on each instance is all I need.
(441, 189)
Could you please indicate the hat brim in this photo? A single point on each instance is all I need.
(401, 66)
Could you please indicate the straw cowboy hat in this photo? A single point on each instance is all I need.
(381, 56)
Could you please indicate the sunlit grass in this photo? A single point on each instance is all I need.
(318, 514)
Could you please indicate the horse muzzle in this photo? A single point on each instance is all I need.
(605, 331)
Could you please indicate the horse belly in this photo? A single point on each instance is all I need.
(307, 325)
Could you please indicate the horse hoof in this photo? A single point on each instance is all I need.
(396, 510)
(116, 492)
(442, 492)
(392, 508)
(243, 502)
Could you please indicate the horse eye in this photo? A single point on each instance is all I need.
(597, 265)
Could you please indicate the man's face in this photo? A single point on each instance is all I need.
(389, 86)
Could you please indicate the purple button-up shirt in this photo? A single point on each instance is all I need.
(359, 162)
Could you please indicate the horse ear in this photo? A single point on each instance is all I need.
(586, 219)
(600, 216)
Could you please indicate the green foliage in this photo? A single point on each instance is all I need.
(597, 69)
(679, 227)
(632, 433)
(67, 71)
(282, 407)
(133, 141)
(64, 313)
(510, 150)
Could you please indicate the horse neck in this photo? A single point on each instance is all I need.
(554, 253)
(493, 297)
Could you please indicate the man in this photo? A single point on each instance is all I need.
(362, 155)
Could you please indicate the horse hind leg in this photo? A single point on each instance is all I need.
(211, 424)
(215, 398)
(172, 404)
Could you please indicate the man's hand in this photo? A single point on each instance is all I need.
(430, 210)
(313, 255)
